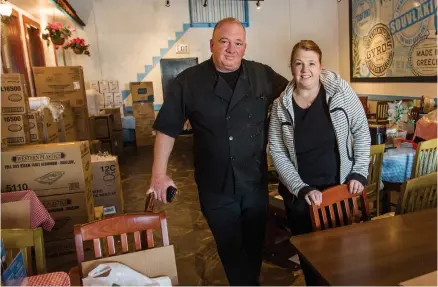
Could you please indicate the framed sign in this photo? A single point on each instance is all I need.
(393, 40)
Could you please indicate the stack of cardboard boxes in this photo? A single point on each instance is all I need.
(15, 106)
(110, 92)
(60, 175)
(108, 130)
(143, 110)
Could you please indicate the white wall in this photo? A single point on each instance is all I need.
(126, 44)
(398, 89)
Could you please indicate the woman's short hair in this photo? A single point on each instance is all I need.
(307, 45)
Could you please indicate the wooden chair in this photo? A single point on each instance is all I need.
(418, 194)
(425, 160)
(381, 114)
(343, 200)
(374, 174)
(23, 240)
(364, 101)
(119, 225)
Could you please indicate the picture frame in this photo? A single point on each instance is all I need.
(393, 41)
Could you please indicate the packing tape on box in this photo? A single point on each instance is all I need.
(40, 103)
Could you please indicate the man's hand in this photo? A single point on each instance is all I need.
(314, 197)
(159, 185)
(355, 187)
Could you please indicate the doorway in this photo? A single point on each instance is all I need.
(170, 68)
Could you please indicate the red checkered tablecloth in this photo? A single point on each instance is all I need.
(49, 279)
(39, 216)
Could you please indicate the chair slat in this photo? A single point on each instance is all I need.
(340, 214)
(355, 209)
(332, 216)
(97, 248)
(150, 238)
(425, 198)
(347, 209)
(137, 240)
(324, 218)
(111, 245)
(124, 239)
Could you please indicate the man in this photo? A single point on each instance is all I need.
(226, 100)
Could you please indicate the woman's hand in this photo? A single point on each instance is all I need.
(314, 197)
(355, 187)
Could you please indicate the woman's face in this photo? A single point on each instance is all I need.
(306, 69)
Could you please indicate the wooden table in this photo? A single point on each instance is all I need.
(380, 252)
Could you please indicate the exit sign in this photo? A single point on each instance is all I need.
(182, 49)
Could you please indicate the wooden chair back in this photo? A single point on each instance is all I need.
(425, 160)
(364, 102)
(120, 225)
(382, 112)
(374, 174)
(340, 199)
(23, 240)
(418, 194)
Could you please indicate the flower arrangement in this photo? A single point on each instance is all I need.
(398, 113)
(78, 46)
(57, 33)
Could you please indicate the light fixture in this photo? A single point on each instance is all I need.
(205, 3)
(5, 9)
(339, 1)
(167, 3)
(258, 5)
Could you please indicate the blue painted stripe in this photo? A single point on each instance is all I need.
(179, 35)
(125, 94)
(155, 60)
(141, 76)
(163, 51)
(148, 68)
(186, 27)
(170, 43)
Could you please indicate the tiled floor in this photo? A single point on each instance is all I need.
(196, 255)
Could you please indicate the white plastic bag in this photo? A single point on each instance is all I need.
(109, 274)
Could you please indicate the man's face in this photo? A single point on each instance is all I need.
(228, 47)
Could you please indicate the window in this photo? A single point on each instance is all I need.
(206, 13)
(12, 52)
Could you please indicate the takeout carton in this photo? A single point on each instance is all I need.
(154, 262)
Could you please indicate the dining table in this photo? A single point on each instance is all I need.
(386, 251)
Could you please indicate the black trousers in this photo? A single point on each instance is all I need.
(238, 224)
(299, 222)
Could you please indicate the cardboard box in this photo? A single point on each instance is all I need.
(109, 100)
(113, 86)
(94, 85)
(49, 127)
(95, 146)
(17, 129)
(143, 110)
(4, 134)
(14, 95)
(35, 127)
(118, 99)
(103, 86)
(66, 125)
(154, 262)
(60, 84)
(104, 126)
(16, 214)
(107, 188)
(82, 123)
(47, 169)
(117, 125)
(69, 135)
(68, 210)
(142, 91)
(61, 254)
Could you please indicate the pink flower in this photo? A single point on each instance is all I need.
(53, 31)
(62, 36)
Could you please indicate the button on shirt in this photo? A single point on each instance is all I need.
(229, 125)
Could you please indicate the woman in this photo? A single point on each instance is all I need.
(318, 137)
